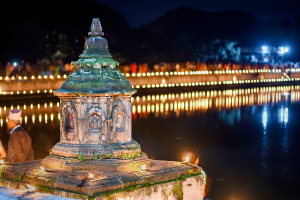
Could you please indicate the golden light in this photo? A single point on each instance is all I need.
(187, 159)
(39, 77)
(1, 162)
(90, 175)
(42, 168)
(144, 167)
(30, 188)
(32, 77)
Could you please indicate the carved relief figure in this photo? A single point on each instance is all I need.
(69, 126)
(120, 123)
(95, 123)
(69, 123)
(94, 126)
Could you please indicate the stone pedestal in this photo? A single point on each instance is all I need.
(162, 180)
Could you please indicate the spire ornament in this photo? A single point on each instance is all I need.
(96, 28)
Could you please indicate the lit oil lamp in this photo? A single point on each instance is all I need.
(186, 159)
(143, 167)
(29, 188)
(191, 156)
(90, 176)
(43, 169)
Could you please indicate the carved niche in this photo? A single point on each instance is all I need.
(121, 125)
(94, 126)
(68, 127)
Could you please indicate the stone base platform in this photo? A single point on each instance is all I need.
(163, 180)
(108, 165)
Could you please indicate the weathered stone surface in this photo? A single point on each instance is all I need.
(78, 184)
(16, 194)
(107, 165)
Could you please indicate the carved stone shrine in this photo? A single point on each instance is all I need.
(95, 139)
(95, 104)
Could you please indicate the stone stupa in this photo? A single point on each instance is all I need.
(95, 104)
(96, 157)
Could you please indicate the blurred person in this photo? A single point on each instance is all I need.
(19, 144)
(133, 68)
(2, 69)
(177, 67)
(9, 69)
(2, 151)
(145, 68)
(156, 67)
(140, 68)
(68, 68)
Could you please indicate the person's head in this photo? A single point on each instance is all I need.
(13, 118)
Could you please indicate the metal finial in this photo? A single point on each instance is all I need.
(96, 28)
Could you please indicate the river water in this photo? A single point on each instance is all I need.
(247, 139)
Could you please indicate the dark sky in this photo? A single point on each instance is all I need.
(139, 12)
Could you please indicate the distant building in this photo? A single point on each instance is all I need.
(264, 54)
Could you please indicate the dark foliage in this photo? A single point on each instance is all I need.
(44, 31)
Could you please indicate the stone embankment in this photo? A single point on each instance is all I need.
(46, 85)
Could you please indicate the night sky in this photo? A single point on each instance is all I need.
(139, 12)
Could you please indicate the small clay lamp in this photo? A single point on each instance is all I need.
(30, 188)
(90, 176)
(191, 156)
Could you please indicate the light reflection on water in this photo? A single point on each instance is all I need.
(211, 121)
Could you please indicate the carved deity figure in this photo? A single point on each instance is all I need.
(95, 123)
(119, 124)
(69, 123)
(69, 126)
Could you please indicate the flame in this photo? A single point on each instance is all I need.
(42, 168)
(144, 167)
(90, 175)
(1, 162)
(30, 188)
(187, 159)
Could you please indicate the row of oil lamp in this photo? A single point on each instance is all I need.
(208, 72)
(215, 83)
(25, 92)
(165, 73)
(33, 77)
(177, 85)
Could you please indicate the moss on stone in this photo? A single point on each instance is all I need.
(45, 189)
(177, 190)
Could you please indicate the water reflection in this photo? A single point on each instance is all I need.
(199, 101)
(248, 128)
(265, 145)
